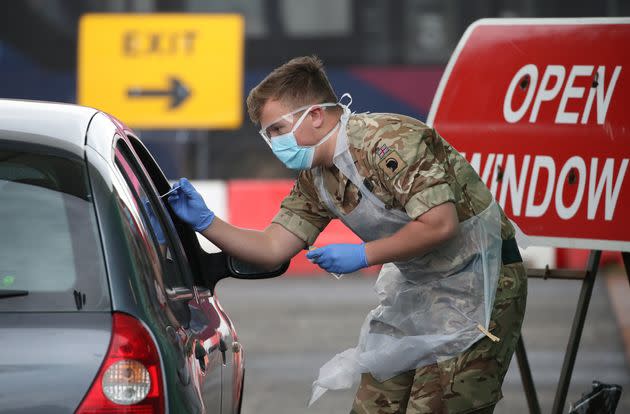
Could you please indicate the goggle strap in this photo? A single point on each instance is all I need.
(345, 95)
(308, 109)
(301, 118)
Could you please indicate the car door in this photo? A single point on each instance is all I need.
(194, 329)
(208, 322)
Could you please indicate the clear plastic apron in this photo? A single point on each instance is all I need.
(430, 306)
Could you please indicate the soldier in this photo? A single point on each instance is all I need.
(452, 288)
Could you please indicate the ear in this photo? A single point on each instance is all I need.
(317, 116)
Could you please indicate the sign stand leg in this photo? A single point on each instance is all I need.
(526, 377)
(626, 262)
(576, 332)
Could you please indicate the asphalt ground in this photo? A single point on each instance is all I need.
(290, 326)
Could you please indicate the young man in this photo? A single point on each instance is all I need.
(452, 288)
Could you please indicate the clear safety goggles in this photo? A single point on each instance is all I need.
(282, 122)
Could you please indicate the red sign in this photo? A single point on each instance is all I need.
(541, 109)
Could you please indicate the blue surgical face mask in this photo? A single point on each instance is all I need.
(287, 150)
(294, 156)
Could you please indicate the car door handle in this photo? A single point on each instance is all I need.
(221, 346)
(200, 354)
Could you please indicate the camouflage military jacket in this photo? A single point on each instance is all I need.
(405, 163)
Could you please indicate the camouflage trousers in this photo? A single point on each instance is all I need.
(468, 383)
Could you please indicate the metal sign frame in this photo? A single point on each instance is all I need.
(588, 276)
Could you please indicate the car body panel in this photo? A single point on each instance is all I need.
(207, 322)
(50, 358)
(100, 136)
(52, 124)
(233, 374)
(133, 288)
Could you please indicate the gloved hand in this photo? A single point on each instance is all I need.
(339, 258)
(187, 203)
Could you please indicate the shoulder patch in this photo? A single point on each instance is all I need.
(382, 150)
(392, 164)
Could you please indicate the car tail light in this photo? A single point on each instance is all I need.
(130, 378)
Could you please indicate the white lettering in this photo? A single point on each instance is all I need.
(509, 114)
(546, 162)
(509, 182)
(563, 211)
(570, 91)
(603, 96)
(596, 187)
(495, 175)
(527, 77)
(487, 168)
(545, 94)
(604, 101)
(475, 162)
(604, 184)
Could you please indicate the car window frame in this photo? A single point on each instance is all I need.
(148, 267)
(186, 237)
(169, 255)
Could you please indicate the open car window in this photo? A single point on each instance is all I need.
(187, 237)
(174, 275)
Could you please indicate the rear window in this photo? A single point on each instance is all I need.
(49, 242)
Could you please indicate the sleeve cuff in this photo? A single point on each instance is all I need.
(425, 200)
(297, 225)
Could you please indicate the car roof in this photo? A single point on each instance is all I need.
(45, 123)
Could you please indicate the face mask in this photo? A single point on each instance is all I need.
(294, 156)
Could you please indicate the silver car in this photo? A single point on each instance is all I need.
(107, 301)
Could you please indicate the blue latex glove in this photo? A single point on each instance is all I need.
(187, 203)
(339, 258)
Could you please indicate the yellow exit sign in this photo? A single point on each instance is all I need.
(163, 70)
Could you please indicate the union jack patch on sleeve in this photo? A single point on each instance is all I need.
(382, 151)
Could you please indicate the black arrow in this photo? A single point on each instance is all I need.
(177, 91)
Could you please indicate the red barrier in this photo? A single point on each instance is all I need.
(252, 204)
(577, 258)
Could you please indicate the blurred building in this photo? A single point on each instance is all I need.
(388, 53)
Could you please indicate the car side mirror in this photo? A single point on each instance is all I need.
(217, 266)
(244, 270)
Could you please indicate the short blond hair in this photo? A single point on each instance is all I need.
(301, 81)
